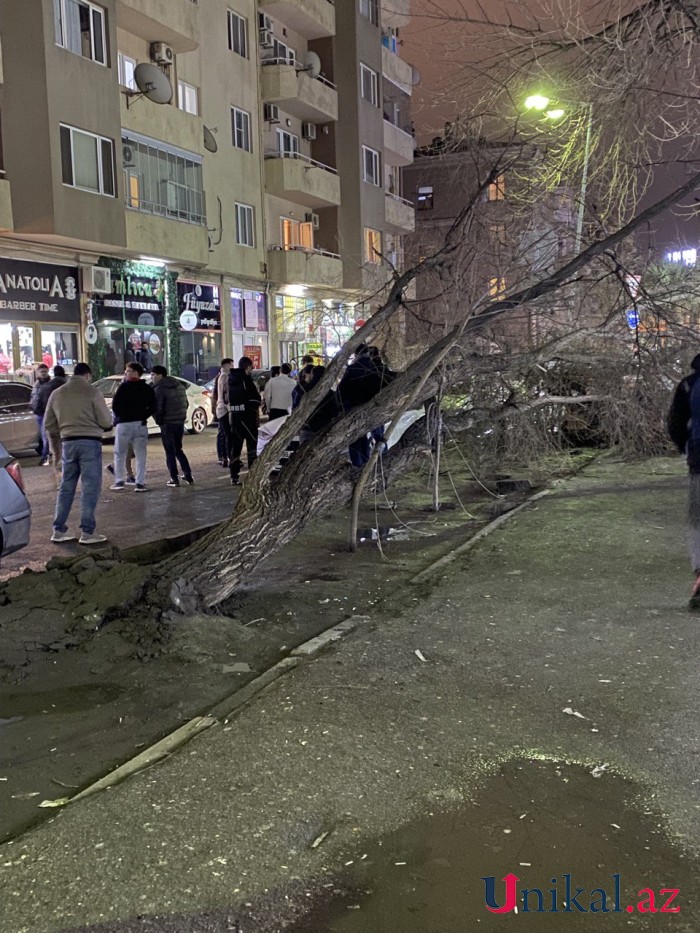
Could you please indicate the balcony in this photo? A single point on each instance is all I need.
(6, 219)
(301, 266)
(397, 70)
(312, 19)
(398, 144)
(300, 95)
(298, 178)
(399, 214)
(175, 22)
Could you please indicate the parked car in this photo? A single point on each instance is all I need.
(18, 427)
(198, 403)
(15, 511)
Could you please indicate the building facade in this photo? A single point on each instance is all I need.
(213, 179)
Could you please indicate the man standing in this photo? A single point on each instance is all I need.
(278, 393)
(134, 403)
(684, 429)
(244, 406)
(77, 411)
(170, 414)
(54, 439)
(37, 403)
(219, 406)
(145, 357)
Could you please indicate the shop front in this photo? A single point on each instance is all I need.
(200, 331)
(315, 327)
(249, 322)
(39, 317)
(132, 314)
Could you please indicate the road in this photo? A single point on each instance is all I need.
(532, 707)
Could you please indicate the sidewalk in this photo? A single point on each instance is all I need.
(578, 604)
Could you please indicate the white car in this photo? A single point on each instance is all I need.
(198, 403)
(15, 511)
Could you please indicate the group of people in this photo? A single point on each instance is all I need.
(73, 417)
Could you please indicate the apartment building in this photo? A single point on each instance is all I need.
(179, 173)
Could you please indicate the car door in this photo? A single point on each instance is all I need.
(25, 430)
(7, 421)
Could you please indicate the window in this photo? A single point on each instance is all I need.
(370, 165)
(498, 234)
(373, 246)
(496, 191)
(187, 97)
(80, 28)
(369, 85)
(87, 161)
(240, 127)
(162, 179)
(281, 52)
(497, 287)
(369, 9)
(238, 34)
(424, 198)
(287, 144)
(296, 235)
(127, 66)
(245, 228)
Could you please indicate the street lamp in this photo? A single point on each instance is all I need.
(541, 103)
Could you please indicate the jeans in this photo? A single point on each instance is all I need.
(223, 438)
(359, 450)
(244, 428)
(82, 459)
(135, 433)
(44, 438)
(171, 435)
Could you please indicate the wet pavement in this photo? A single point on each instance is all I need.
(533, 709)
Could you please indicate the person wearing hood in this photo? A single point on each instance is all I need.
(244, 407)
(170, 414)
(684, 431)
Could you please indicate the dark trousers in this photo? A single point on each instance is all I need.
(171, 435)
(277, 413)
(223, 438)
(244, 429)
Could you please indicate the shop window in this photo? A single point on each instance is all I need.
(424, 198)
(373, 246)
(187, 97)
(240, 129)
(370, 166)
(245, 225)
(87, 161)
(369, 85)
(238, 34)
(127, 67)
(59, 346)
(496, 190)
(80, 28)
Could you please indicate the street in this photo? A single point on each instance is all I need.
(528, 708)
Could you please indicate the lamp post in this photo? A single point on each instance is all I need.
(541, 103)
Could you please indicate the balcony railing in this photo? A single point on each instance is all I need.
(276, 154)
(396, 197)
(187, 215)
(312, 251)
(300, 69)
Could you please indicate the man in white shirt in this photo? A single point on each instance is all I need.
(278, 393)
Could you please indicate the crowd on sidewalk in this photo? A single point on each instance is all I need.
(72, 417)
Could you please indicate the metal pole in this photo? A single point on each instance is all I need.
(584, 181)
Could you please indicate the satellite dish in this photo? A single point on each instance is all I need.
(312, 64)
(210, 142)
(153, 83)
(415, 76)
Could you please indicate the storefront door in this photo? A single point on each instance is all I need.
(24, 346)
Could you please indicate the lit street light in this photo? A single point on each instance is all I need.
(541, 103)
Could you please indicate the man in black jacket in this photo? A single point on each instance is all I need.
(171, 412)
(684, 430)
(134, 403)
(59, 379)
(364, 378)
(244, 407)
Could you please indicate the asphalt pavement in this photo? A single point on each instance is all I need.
(562, 637)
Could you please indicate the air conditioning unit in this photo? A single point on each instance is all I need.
(127, 156)
(314, 220)
(265, 22)
(272, 113)
(96, 279)
(265, 38)
(162, 53)
(308, 130)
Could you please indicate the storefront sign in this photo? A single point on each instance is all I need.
(255, 354)
(201, 301)
(38, 292)
(188, 320)
(137, 298)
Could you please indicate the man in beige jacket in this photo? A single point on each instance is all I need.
(77, 411)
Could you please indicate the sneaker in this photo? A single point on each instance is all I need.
(117, 486)
(224, 464)
(93, 538)
(110, 468)
(58, 537)
(140, 487)
(173, 482)
(45, 462)
(131, 481)
(188, 480)
(235, 481)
